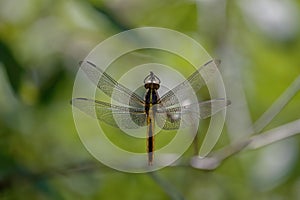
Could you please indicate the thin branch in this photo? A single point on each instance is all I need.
(216, 158)
(274, 135)
(277, 106)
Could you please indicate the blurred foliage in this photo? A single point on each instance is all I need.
(41, 43)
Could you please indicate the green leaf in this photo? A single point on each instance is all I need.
(13, 69)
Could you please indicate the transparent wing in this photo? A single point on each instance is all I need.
(196, 81)
(207, 108)
(110, 86)
(168, 122)
(170, 118)
(117, 116)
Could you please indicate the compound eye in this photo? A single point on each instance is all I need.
(151, 78)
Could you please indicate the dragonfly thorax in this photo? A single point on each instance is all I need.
(151, 81)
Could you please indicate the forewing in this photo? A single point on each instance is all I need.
(195, 81)
(110, 86)
(117, 116)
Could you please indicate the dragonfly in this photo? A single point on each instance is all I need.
(165, 111)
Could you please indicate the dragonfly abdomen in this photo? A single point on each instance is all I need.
(150, 139)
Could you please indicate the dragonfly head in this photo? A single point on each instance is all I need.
(151, 81)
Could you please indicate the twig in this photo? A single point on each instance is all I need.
(214, 159)
(274, 135)
(277, 106)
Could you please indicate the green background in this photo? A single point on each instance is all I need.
(41, 43)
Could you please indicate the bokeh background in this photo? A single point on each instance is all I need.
(41, 44)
